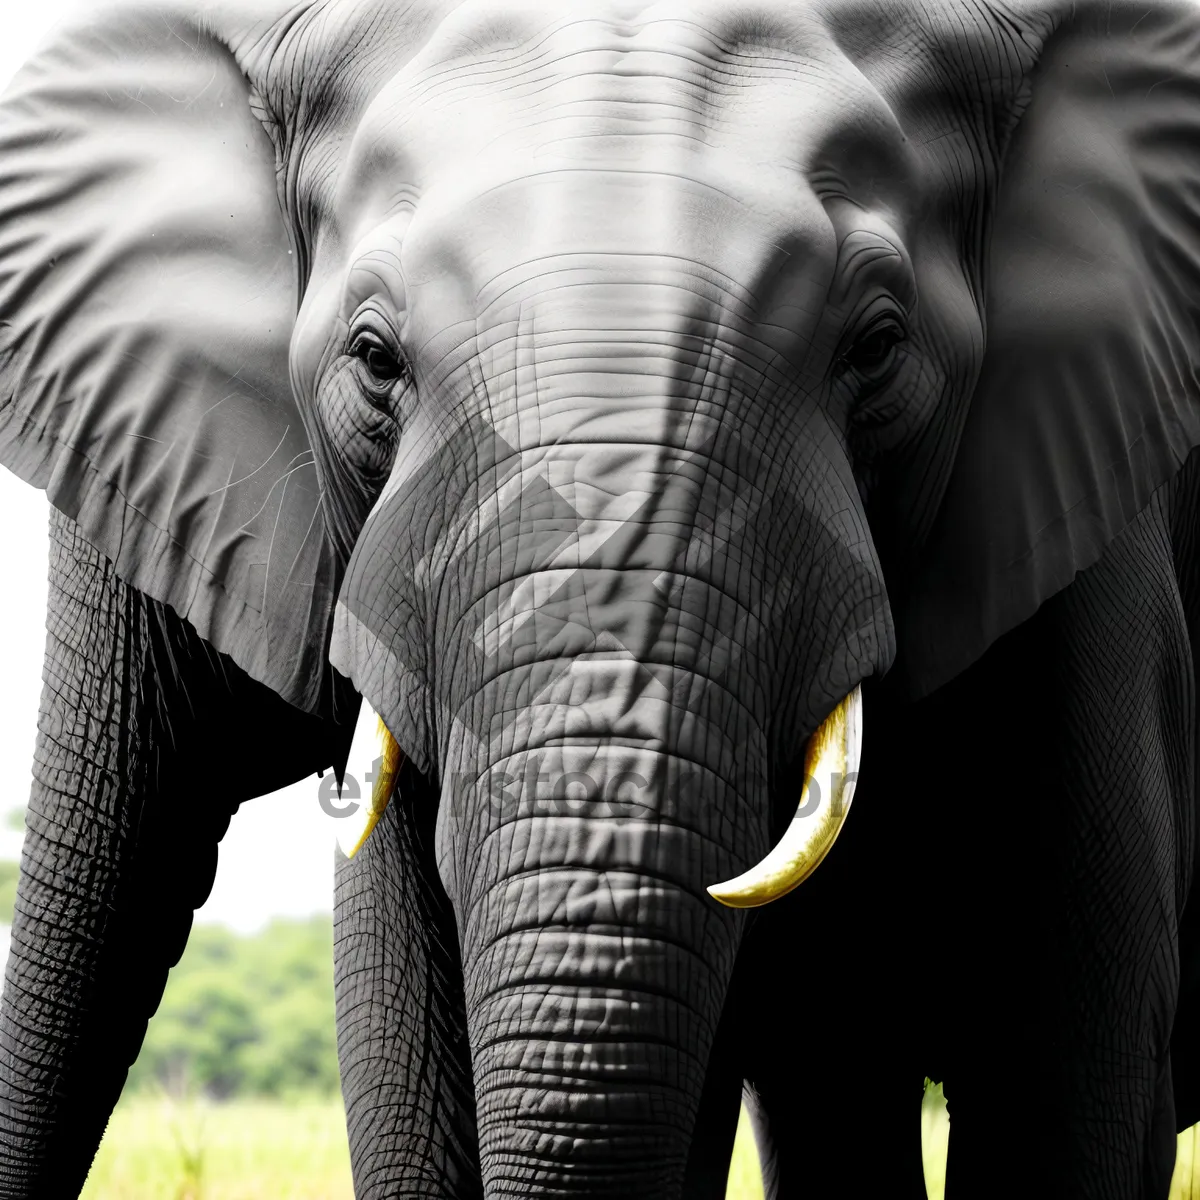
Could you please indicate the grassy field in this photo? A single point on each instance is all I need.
(160, 1150)
(935, 1135)
(745, 1183)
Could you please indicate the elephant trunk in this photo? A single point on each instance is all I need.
(595, 969)
(594, 778)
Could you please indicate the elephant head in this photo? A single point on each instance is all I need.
(607, 392)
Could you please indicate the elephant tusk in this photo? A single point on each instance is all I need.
(831, 762)
(375, 753)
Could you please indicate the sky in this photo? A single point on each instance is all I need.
(277, 858)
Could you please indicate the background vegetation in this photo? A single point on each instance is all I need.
(246, 1016)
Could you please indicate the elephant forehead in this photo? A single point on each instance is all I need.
(745, 102)
(677, 68)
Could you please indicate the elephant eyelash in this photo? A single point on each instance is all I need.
(873, 355)
(381, 369)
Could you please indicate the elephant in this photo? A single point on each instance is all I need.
(668, 422)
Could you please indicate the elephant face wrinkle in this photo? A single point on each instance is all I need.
(461, 224)
(427, 97)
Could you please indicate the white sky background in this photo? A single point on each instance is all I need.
(277, 858)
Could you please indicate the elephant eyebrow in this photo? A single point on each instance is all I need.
(866, 255)
(377, 270)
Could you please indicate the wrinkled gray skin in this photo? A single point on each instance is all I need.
(669, 371)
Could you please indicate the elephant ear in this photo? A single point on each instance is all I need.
(147, 296)
(1089, 397)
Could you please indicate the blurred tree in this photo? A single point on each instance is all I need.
(246, 1015)
(9, 871)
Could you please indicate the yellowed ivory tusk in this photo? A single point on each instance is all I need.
(831, 761)
(373, 753)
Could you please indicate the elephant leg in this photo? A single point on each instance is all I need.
(839, 1120)
(131, 794)
(1185, 1035)
(1066, 972)
(836, 1064)
(402, 1050)
(839, 981)
(834, 1125)
(90, 952)
(707, 1173)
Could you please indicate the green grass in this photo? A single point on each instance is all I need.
(745, 1182)
(935, 1134)
(248, 1150)
(1186, 1184)
(243, 1150)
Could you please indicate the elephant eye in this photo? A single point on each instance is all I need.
(383, 366)
(873, 353)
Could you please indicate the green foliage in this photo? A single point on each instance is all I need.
(246, 1016)
(9, 873)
